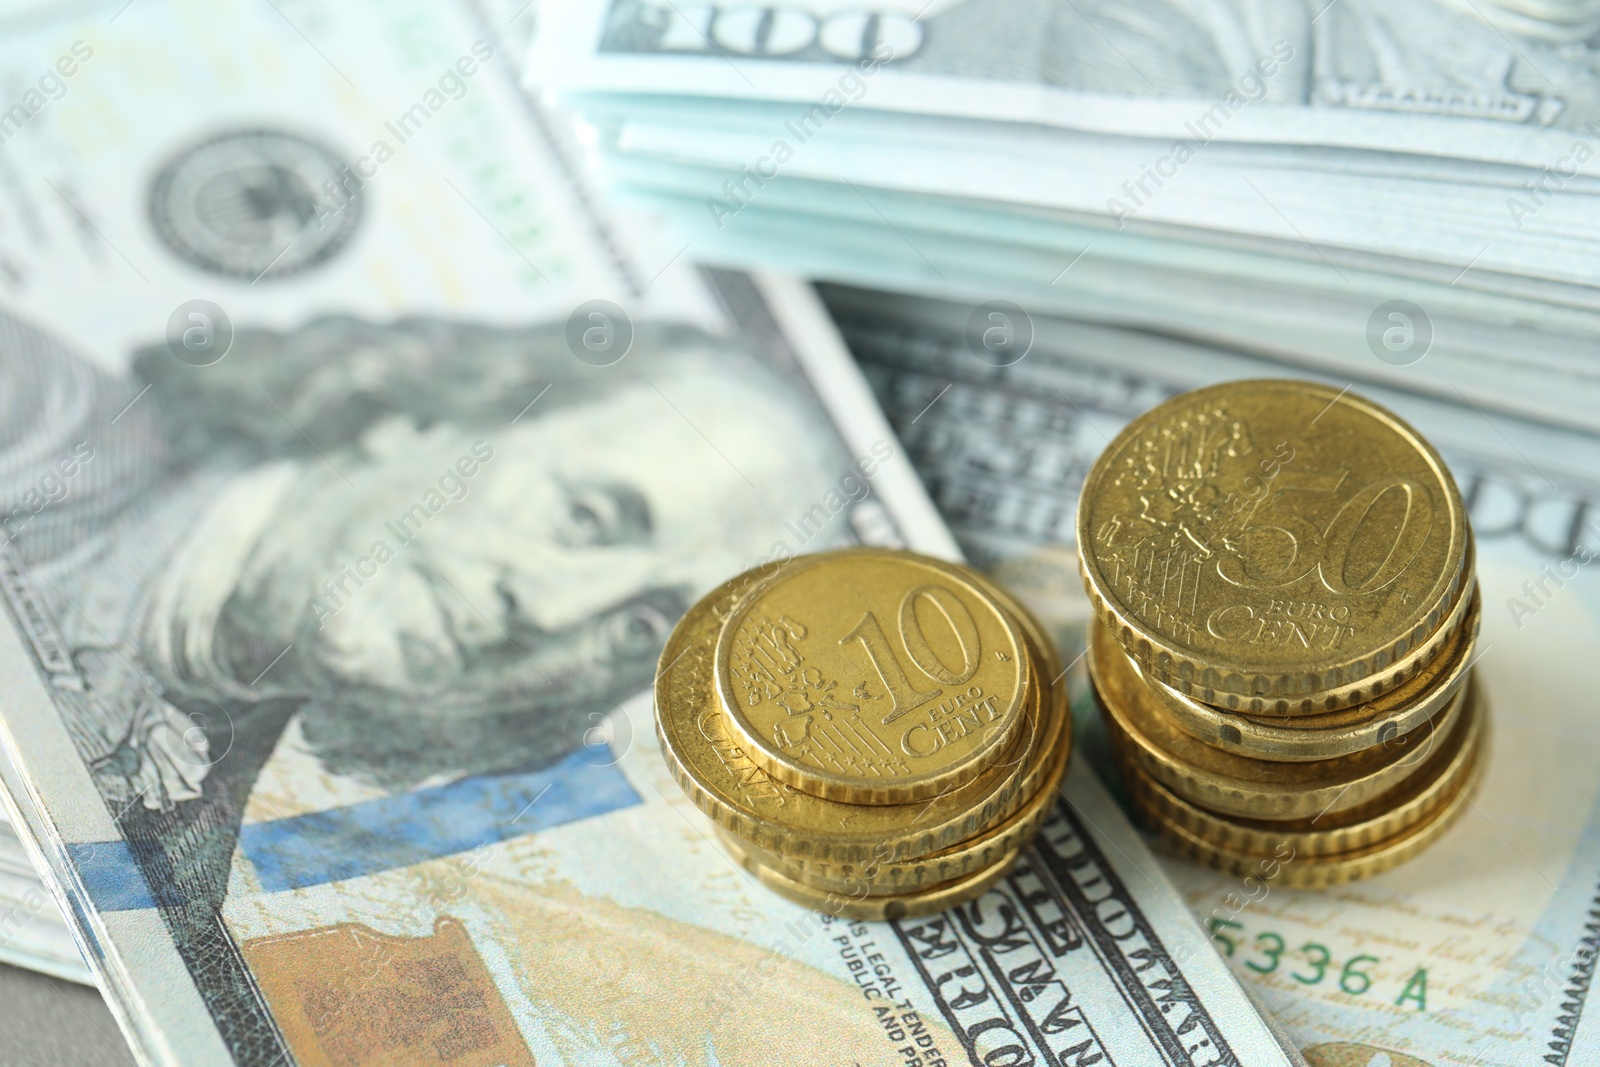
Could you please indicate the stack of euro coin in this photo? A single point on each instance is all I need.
(1286, 619)
(874, 733)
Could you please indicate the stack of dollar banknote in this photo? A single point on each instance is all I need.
(1318, 181)
(907, 793)
(1262, 725)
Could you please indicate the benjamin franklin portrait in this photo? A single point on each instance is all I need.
(402, 554)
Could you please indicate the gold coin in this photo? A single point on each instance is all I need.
(1336, 733)
(1046, 663)
(892, 876)
(1295, 871)
(1354, 694)
(1237, 785)
(875, 907)
(1273, 541)
(712, 768)
(872, 676)
(1382, 818)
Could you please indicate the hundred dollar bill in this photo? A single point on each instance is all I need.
(33, 932)
(1491, 341)
(1493, 80)
(1245, 192)
(355, 466)
(1480, 951)
(1294, 132)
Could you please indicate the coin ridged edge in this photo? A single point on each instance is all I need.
(1241, 799)
(954, 862)
(1271, 738)
(877, 907)
(772, 833)
(1322, 872)
(1384, 818)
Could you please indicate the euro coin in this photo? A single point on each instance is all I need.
(1046, 665)
(1356, 694)
(888, 872)
(900, 876)
(711, 765)
(873, 676)
(1295, 871)
(1237, 785)
(1271, 545)
(1336, 733)
(1385, 817)
(876, 907)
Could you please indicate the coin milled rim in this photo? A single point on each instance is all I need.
(862, 789)
(1237, 785)
(1380, 819)
(1301, 738)
(956, 861)
(1318, 872)
(874, 907)
(1214, 677)
(740, 796)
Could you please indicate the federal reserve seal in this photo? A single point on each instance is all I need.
(256, 204)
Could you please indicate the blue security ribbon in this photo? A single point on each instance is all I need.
(384, 834)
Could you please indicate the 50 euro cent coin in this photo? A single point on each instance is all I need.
(1271, 546)
(1302, 862)
(1300, 738)
(1145, 735)
(1390, 816)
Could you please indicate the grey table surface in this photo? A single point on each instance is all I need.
(48, 1022)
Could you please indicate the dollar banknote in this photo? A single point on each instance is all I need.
(1498, 344)
(1496, 80)
(33, 932)
(1269, 201)
(356, 463)
(1259, 175)
(1481, 950)
(1288, 215)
